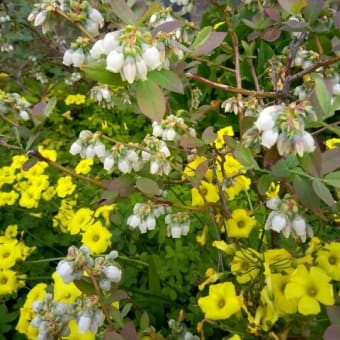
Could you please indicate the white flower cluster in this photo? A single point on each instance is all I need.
(13, 101)
(144, 216)
(231, 105)
(104, 269)
(76, 57)
(305, 58)
(284, 126)
(171, 128)
(125, 158)
(102, 95)
(90, 17)
(73, 78)
(186, 6)
(179, 329)
(4, 18)
(133, 53)
(285, 218)
(178, 224)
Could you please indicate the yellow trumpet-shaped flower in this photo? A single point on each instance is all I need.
(221, 303)
(309, 288)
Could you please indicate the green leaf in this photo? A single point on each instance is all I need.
(150, 99)
(333, 179)
(312, 10)
(293, 7)
(323, 95)
(123, 11)
(168, 80)
(201, 37)
(263, 183)
(147, 186)
(50, 106)
(153, 8)
(305, 192)
(96, 71)
(245, 157)
(323, 192)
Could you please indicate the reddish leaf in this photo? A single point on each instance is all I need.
(122, 185)
(111, 335)
(214, 40)
(332, 333)
(150, 100)
(123, 11)
(209, 135)
(29, 164)
(273, 13)
(336, 45)
(330, 161)
(129, 331)
(168, 26)
(337, 18)
(271, 33)
(333, 313)
(189, 142)
(323, 192)
(147, 186)
(312, 162)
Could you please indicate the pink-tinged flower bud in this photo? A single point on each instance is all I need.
(299, 225)
(109, 163)
(141, 68)
(32, 15)
(299, 146)
(78, 57)
(67, 59)
(152, 57)
(111, 41)
(76, 148)
(113, 273)
(97, 49)
(95, 16)
(129, 69)
(40, 18)
(115, 61)
(267, 117)
(308, 142)
(269, 138)
(284, 145)
(84, 322)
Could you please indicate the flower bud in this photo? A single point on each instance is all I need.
(111, 41)
(95, 16)
(299, 225)
(84, 322)
(65, 270)
(113, 273)
(67, 59)
(78, 57)
(141, 68)
(129, 69)
(91, 26)
(97, 49)
(269, 138)
(99, 149)
(90, 152)
(308, 142)
(40, 18)
(105, 284)
(278, 222)
(24, 115)
(109, 162)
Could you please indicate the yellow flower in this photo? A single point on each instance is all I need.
(229, 249)
(190, 169)
(63, 292)
(8, 282)
(79, 99)
(212, 276)
(273, 191)
(240, 225)
(209, 191)
(332, 143)
(48, 153)
(202, 239)
(226, 131)
(81, 220)
(75, 333)
(8, 255)
(234, 185)
(105, 211)
(278, 259)
(309, 289)
(328, 258)
(221, 303)
(27, 200)
(65, 186)
(97, 238)
(84, 166)
(11, 231)
(8, 198)
(246, 265)
(282, 303)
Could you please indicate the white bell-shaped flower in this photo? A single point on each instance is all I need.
(111, 41)
(78, 57)
(141, 68)
(299, 225)
(97, 49)
(308, 142)
(84, 322)
(152, 57)
(269, 138)
(115, 61)
(109, 162)
(76, 148)
(267, 117)
(40, 18)
(129, 69)
(113, 273)
(95, 16)
(67, 58)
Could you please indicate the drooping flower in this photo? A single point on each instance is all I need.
(309, 288)
(221, 303)
(240, 224)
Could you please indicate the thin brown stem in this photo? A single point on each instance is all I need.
(228, 88)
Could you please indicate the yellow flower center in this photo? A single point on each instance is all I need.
(332, 260)
(221, 303)
(3, 280)
(312, 291)
(245, 266)
(95, 238)
(5, 255)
